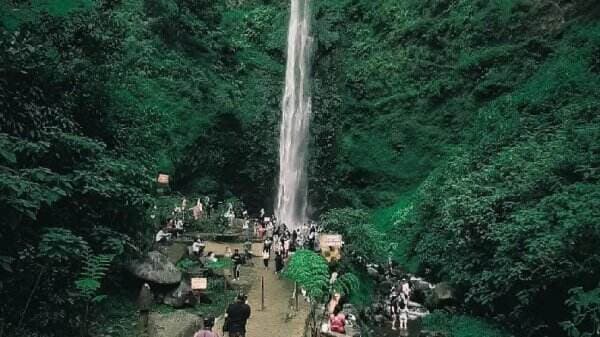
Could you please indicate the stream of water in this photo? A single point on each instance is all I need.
(291, 204)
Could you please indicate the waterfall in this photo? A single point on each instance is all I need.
(292, 203)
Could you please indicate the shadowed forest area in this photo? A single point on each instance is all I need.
(459, 137)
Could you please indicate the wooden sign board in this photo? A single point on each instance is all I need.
(163, 179)
(330, 240)
(199, 283)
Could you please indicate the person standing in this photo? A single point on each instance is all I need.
(394, 307)
(269, 231)
(278, 263)
(312, 234)
(286, 247)
(144, 302)
(198, 210)
(237, 260)
(237, 315)
(267, 244)
(266, 256)
(406, 289)
(402, 308)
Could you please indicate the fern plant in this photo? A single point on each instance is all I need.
(311, 272)
(89, 282)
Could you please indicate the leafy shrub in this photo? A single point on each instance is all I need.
(461, 326)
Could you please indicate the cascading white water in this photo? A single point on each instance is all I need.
(291, 207)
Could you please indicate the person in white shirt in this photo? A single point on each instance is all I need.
(198, 247)
(266, 256)
(162, 236)
(406, 289)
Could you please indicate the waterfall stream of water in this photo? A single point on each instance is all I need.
(291, 204)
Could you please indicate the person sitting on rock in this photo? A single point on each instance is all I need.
(210, 257)
(198, 247)
(206, 330)
(337, 321)
(162, 236)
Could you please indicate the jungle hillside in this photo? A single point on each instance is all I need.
(461, 135)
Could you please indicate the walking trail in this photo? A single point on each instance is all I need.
(278, 319)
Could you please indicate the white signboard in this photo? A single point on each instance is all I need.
(199, 283)
(163, 179)
(330, 240)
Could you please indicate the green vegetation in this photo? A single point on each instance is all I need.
(311, 272)
(461, 326)
(461, 136)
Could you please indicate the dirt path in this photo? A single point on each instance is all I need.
(274, 320)
(278, 319)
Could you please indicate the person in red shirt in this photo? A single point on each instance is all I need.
(337, 321)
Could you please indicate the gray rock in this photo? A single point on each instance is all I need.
(442, 295)
(174, 252)
(372, 271)
(156, 268)
(181, 297)
(418, 284)
(176, 324)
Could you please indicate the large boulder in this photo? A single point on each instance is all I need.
(442, 295)
(156, 268)
(174, 252)
(175, 324)
(420, 284)
(181, 297)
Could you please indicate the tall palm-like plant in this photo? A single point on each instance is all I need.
(311, 272)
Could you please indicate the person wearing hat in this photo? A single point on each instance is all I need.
(206, 330)
(237, 315)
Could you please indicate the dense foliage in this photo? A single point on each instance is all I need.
(488, 109)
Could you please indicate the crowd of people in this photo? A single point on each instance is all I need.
(280, 242)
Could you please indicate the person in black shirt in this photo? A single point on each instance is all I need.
(237, 316)
(278, 263)
(237, 260)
